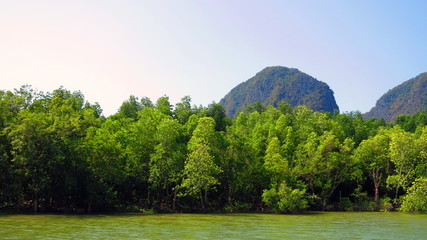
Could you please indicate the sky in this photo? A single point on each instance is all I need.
(110, 50)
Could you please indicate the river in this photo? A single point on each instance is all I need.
(315, 225)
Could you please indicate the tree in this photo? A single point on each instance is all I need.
(167, 160)
(405, 155)
(410, 122)
(105, 160)
(374, 156)
(200, 170)
(183, 110)
(323, 163)
(256, 107)
(130, 107)
(70, 122)
(275, 163)
(139, 141)
(164, 106)
(242, 175)
(10, 177)
(31, 148)
(217, 112)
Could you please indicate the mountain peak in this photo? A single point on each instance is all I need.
(277, 83)
(406, 98)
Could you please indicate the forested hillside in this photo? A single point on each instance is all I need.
(406, 98)
(274, 84)
(59, 154)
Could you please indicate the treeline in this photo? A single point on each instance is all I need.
(58, 153)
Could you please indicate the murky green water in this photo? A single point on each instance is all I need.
(216, 226)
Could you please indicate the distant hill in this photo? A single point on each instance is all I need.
(274, 84)
(406, 98)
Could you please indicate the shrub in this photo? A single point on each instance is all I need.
(237, 207)
(346, 205)
(386, 204)
(285, 199)
(362, 201)
(416, 198)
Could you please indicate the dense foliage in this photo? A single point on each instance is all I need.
(409, 97)
(275, 84)
(58, 153)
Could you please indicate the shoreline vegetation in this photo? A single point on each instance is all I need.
(59, 154)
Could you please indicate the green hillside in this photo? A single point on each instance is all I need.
(406, 98)
(274, 84)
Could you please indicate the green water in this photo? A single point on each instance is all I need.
(216, 226)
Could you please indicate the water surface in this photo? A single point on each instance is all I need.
(322, 225)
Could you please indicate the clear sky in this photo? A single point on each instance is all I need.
(110, 50)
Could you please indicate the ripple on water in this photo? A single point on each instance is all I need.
(216, 226)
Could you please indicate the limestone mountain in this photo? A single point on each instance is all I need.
(274, 84)
(406, 98)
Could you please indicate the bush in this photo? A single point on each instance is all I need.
(346, 205)
(285, 199)
(386, 204)
(362, 202)
(416, 198)
(237, 207)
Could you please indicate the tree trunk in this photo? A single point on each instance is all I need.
(230, 192)
(18, 203)
(206, 197)
(376, 178)
(377, 192)
(149, 196)
(174, 199)
(201, 199)
(377, 195)
(36, 203)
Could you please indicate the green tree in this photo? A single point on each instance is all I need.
(164, 106)
(200, 170)
(10, 177)
(374, 156)
(324, 163)
(167, 160)
(243, 173)
(405, 155)
(183, 110)
(276, 165)
(31, 148)
(70, 121)
(410, 122)
(106, 162)
(139, 141)
(130, 107)
(217, 112)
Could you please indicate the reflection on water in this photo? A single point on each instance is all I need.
(322, 225)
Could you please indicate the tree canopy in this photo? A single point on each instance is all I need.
(59, 153)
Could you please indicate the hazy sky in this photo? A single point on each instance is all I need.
(113, 49)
